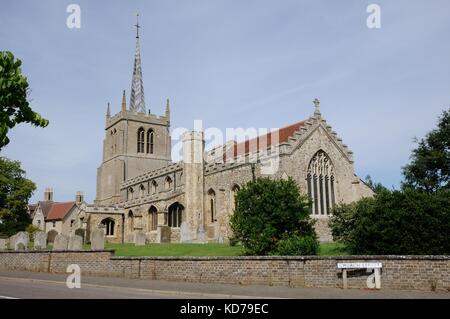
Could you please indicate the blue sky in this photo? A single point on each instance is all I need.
(230, 63)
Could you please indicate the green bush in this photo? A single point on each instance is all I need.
(267, 211)
(295, 245)
(31, 229)
(409, 222)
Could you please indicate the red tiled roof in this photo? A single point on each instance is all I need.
(59, 210)
(45, 207)
(261, 143)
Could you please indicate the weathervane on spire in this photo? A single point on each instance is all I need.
(137, 25)
(317, 106)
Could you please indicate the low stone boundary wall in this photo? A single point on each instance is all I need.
(398, 272)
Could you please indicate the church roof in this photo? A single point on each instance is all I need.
(59, 210)
(262, 142)
(45, 207)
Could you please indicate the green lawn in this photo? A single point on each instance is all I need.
(332, 249)
(326, 249)
(175, 250)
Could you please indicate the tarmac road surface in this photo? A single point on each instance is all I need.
(30, 285)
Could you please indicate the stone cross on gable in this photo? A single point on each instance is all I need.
(317, 106)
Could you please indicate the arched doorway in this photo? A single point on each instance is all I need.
(51, 236)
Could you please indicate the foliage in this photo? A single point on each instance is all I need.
(332, 249)
(395, 222)
(31, 229)
(14, 105)
(376, 187)
(429, 169)
(297, 244)
(15, 191)
(267, 211)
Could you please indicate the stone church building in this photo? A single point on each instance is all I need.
(140, 189)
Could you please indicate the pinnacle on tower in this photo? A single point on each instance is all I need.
(137, 102)
(167, 109)
(108, 111)
(124, 102)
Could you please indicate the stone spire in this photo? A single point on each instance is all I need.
(108, 111)
(317, 107)
(124, 102)
(137, 102)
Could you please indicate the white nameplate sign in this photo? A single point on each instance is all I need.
(373, 281)
(373, 265)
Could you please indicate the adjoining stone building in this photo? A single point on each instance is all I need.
(140, 189)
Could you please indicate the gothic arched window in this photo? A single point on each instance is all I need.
(154, 187)
(140, 140)
(109, 226)
(150, 138)
(321, 181)
(175, 214)
(212, 204)
(130, 221)
(168, 183)
(153, 218)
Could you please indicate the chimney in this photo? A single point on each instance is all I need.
(79, 197)
(48, 194)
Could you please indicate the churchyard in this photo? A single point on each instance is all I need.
(38, 241)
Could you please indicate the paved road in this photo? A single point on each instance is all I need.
(15, 284)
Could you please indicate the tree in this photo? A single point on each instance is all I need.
(15, 191)
(406, 222)
(429, 169)
(272, 216)
(376, 187)
(14, 88)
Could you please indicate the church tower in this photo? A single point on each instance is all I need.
(135, 142)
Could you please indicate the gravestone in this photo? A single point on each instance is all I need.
(98, 239)
(21, 240)
(40, 240)
(201, 237)
(11, 241)
(139, 238)
(184, 232)
(61, 242)
(75, 242)
(20, 247)
(3, 243)
(164, 234)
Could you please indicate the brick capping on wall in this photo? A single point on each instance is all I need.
(399, 272)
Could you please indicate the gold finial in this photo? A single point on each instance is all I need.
(124, 102)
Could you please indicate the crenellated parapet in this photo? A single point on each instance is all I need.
(137, 117)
